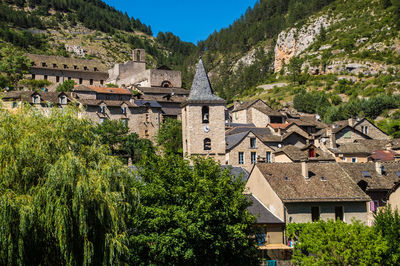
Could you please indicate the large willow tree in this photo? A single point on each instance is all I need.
(63, 199)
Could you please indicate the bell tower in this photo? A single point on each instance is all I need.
(203, 119)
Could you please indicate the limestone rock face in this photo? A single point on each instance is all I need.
(294, 41)
(76, 49)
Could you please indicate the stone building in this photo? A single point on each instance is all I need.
(15, 99)
(256, 112)
(203, 123)
(135, 74)
(305, 192)
(58, 69)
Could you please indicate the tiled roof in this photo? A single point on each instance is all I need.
(92, 102)
(268, 111)
(201, 90)
(235, 139)
(374, 180)
(162, 90)
(26, 96)
(255, 130)
(281, 126)
(60, 61)
(328, 182)
(261, 212)
(384, 155)
(237, 172)
(103, 90)
(297, 155)
(351, 148)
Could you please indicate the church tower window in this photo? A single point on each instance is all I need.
(207, 144)
(205, 114)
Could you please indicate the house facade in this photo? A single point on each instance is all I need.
(305, 192)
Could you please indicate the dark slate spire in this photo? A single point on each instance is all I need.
(201, 88)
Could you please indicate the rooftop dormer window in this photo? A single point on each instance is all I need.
(85, 68)
(65, 66)
(124, 110)
(36, 99)
(75, 67)
(63, 99)
(54, 65)
(102, 109)
(44, 64)
(95, 69)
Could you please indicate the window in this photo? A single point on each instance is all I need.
(253, 157)
(33, 76)
(85, 68)
(69, 78)
(45, 77)
(339, 213)
(124, 110)
(253, 143)
(366, 130)
(101, 82)
(54, 65)
(57, 79)
(102, 109)
(373, 205)
(311, 153)
(207, 144)
(125, 122)
(65, 66)
(315, 214)
(91, 81)
(147, 117)
(268, 157)
(75, 67)
(241, 157)
(205, 114)
(63, 100)
(354, 159)
(95, 69)
(146, 133)
(80, 80)
(36, 99)
(44, 64)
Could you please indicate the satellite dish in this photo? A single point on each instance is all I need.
(318, 117)
(279, 145)
(323, 140)
(206, 129)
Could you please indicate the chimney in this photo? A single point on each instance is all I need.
(379, 168)
(389, 146)
(351, 122)
(279, 131)
(332, 138)
(304, 170)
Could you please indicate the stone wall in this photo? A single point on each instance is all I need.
(194, 133)
(348, 135)
(372, 131)
(244, 146)
(121, 72)
(259, 119)
(301, 212)
(240, 117)
(157, 76)
(80, 77)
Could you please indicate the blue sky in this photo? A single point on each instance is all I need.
(191, 20)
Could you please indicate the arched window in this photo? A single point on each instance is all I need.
(205, 114)
(138, 56)
(166, 84)
(207, 144)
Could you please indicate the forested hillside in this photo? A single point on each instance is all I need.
(93, 29)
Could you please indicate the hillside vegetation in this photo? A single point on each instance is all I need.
(92, 30)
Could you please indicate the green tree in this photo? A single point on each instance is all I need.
(295, 68)
(336, 243)
(387, 223)
(63, 199)
(66, 86)
(190, 215)
(137, 149)
(14, 64)
(169, 136)
(35, 84)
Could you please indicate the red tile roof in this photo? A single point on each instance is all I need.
(281, 126)
(383, 155)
